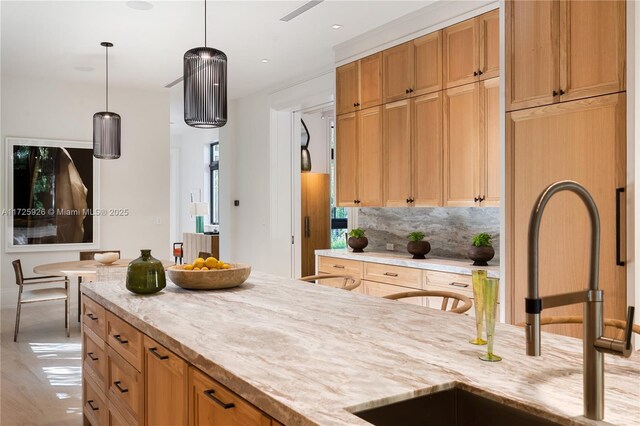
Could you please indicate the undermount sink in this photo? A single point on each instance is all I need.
(452, 407)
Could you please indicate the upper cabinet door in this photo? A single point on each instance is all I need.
(370, 152)
(347, 160)
(460, 53)
(532, 49)
(461, 146)
(489, 45)
(397, 72)
(427, 150)
(347, 88)
(427, 57)
(371, 81)
(490, 142)
(592, 48)
(397, 148)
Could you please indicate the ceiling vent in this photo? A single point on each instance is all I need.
(302, 9)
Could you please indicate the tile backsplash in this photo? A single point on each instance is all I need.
(448, 229)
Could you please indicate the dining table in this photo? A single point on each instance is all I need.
(88, 271)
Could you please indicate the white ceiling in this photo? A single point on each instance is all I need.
(49, 39)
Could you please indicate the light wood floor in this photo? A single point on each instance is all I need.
(41, 382)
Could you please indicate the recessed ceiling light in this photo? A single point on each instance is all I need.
(139, 5)
(84, 69)
(336, 26)
(264, 61)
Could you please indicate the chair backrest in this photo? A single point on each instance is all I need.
(17, 268)
(446, 296)
(89, 254)
(349, 283)
(204, 254)
(617, 326)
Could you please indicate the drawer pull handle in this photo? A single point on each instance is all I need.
(90, 404)
(338, 266)
(225, 405)
(155, 352)
(92, 317)
(120, 388)
(90, 355)
(119, 339)
(455, 284)
(391, 274)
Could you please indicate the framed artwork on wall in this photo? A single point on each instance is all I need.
(52, 195)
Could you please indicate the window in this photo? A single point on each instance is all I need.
(338, 214)
(214, 185)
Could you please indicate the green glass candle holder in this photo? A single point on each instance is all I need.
(491, 289)
(478, 277)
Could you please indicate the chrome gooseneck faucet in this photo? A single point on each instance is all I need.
(595, 345)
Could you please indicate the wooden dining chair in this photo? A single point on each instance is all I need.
(89, 255)
(349, 283)
(40, 294)
(204, 255)
(614, 326)
(455, 298)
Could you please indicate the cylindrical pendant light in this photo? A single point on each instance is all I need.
(106, 125)
(205, 85)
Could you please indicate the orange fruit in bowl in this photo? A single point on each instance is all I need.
(188, 267)
(211, 262)
(204, 268)
(198, 263)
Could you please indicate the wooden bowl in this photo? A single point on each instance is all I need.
(209, 280)
(106, 258)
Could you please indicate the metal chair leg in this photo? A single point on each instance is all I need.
(79, 301)
(67, 307)
(15, 333)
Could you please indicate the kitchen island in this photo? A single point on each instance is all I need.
(308, 354)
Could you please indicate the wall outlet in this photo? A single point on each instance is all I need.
(391, 247)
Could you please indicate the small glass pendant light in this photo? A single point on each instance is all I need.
(106, 125)
(305, 159)
(205, 85)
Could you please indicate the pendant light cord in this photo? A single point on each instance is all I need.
(205, 23)
(106, 52)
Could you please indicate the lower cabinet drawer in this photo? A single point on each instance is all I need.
(126, 386)
(396, 275)
(333, 265)
(94, 358)
(373, 288)
(94, 317)
(118, 417)
(445, 281)
(94, 403)
(210, 403)
(125, 339)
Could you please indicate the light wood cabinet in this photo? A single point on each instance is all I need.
(395, 275)
(397, 72)
(126, 386)
(489, 65)
(165, 385)
(490, 164)
(584, 141)
(333, 265)
(212, 404)
(377, 289)
(347, 87)
(427, 62)
(563, 50)
(94, 403)
(347, 161)
(460, 53)
(427, 150)
(461, 145)
(370, 81)
(397, 148)
(370, 155)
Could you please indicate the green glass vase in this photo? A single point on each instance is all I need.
(145, 275)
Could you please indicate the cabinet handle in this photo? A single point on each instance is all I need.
(476, 199)
(338, 266)
(120, 388)
(455, 284)
(90, 404)
(225, 405)
(354, 104)
(554, 93)
(307, 227)
(155, 352)
(120, 340)
(391, 274)
(410, 90)
(406, 90)
(90, 355)
(561, 92)
(619, 261)
(92, 317)
(481, 199)
(408, 200)
(479, 72)
(357, 104)
(475, 73)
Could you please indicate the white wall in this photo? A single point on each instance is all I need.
(139, 180)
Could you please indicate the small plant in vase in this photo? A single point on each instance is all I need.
(417, 246)
(481, 250)
(357, 240)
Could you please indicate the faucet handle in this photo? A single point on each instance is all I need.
(618, 347)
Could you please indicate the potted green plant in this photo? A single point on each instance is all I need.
(481, 250)
(357, 240)
(417, 246)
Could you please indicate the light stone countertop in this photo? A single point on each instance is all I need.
(309, 354)
(457, 266)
